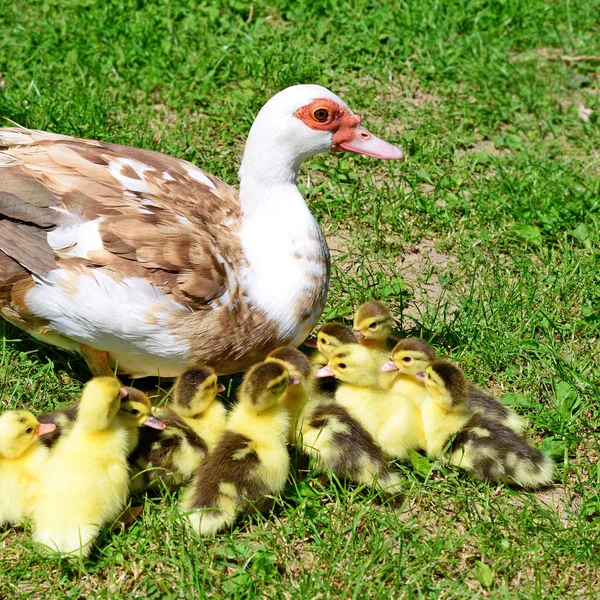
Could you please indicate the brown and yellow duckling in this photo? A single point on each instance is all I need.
(194, 420)
(250, 459)
(482, 445)
(413, 355)
(373, 324)
(22, 460)
(326, 432)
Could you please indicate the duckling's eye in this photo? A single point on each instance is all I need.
(321, 115)
(373, 325)
(29, 430)
(407, 359)
(342, 365)
(135, 412)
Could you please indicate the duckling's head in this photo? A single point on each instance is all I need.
(136, 411)
(195, 390)
(373, 321)
(19, 429)
(332, 335)
(264, 385)
(445, 379)
(293, 360)
(410, 356)
(100, 402)
(353, 364)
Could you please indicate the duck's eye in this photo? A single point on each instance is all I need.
(321, 115)
(325, 341)
(373, 325)
(29, 430)
(342, 365)
(135, 412)
(407, 359)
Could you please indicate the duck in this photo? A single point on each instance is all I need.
(327, 433)
(22, 460)
(482, 445)
(85, 482)
(373, 325)
(250, 459)
(412, 355)
(194, 421)
(130, 257)
(393, 421)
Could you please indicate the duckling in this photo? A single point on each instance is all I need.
(445, 410)
(86, 480)
(326, 432)
(194, 421)
(22, 460)
(330, 336)
(373, 325)
(413, 355)
(393, 421)
(250, 458)
(484, 446)
(64, 418)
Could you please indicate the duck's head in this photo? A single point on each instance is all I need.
(445, 380)
(304, 120)
(19, 429)
(410, 356)
(353, 364)
(264, 385)
(373, 321)
(294, 361)
(195, 390)
(100, 402)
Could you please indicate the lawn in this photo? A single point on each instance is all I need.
(485, 242)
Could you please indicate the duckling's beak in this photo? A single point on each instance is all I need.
(123, 393)
(420, 375)
(390, 365)
(44, 428)
(294, 380)
(220, 388)
(153, 423)
(358, 334)
(325, 371)
(310, 342)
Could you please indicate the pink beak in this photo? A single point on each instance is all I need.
(44, 428)
(153, 423)
(310, 342)
(388, 366)
(325, 371)
(294, 380)
(220, 388)
(359, 336)
(421, 375)
(364, 142)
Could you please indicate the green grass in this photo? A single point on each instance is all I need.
(486, 241)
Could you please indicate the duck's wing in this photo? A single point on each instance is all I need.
(76, 204)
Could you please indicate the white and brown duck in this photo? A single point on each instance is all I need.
(144, 261)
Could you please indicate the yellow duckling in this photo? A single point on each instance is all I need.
(412, 355)
(85, 483)
(394, 422)
(250, 458)
(330, 336)
(326, 431)
(484, 446)
(373, 325)
(194, 421)
(64, 418)
(22, 461)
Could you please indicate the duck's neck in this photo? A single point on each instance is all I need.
(287, 261)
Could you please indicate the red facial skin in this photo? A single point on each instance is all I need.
(340, 121)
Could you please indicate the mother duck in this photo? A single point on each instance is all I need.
(144, 263)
